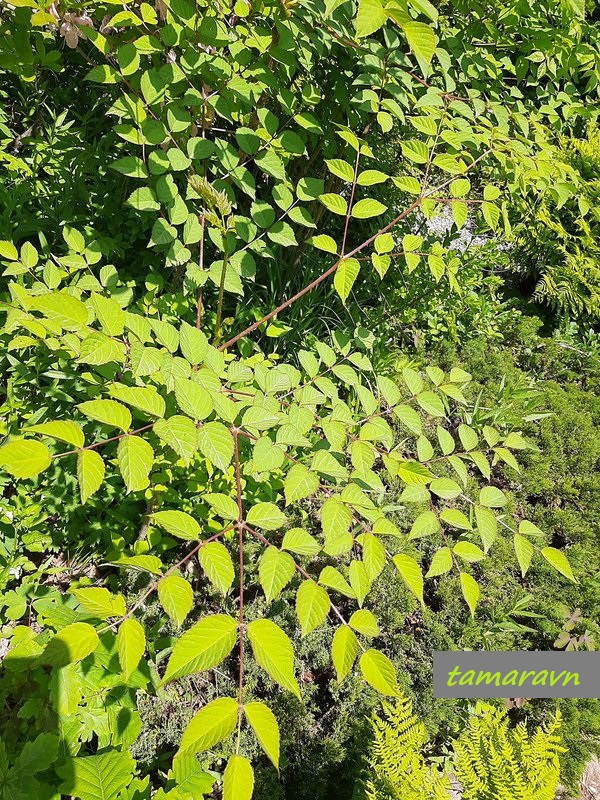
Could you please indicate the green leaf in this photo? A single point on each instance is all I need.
(275, 571)
(491, 214)
(447, 443)
(8, 251)
(529, 529)
(416, 151)
(265, 727)
(440, 563)
(411, 574)
(282, 233)
(524, 552)
(135, 458)
(334, 203)
(408, 184)
(25, 458)
(364, 622)
(238, 779)
(370, 177)
(425, 524)
(143, 199)
(262, 213)
(204, 646)
(70, 645)
(468, 437)
(103, 73)
(99, 777)
(345, 276)
(225, 506)
(342, 169)
(131, 644)
(109, 314)
(64, 309)
(274, 653)
(445, 488)
(359, 580)
(216, 444)
(431, 403)
(300, 482)
(455, 518)
(421, 40)
(487, 526)
(312, 606)
(334, 579)
(367, 208)
(374, 556)
(177, 523)
(145, 398)
(379, 673)
(132, 166)
(213, 723)
(64, 430)
(344, 650)
(297, 540)
(193, 399)
(413, 473)
(324, 242)
(100, 603)
(176, 597)
(370, 17)
(216, 562)
(559, 561)
(90, 473)
(470, 590)
(109, 412)
(492, 497)
(180, 434)
(266, 516)
(468, 551)
(410, 418)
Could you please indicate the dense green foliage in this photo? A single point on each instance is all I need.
(489, 760)
(255, 436)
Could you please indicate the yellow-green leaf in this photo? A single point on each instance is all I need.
(345, 276)
(344, 650)
(177, 523)
(559, 561)
(64, 430)
(90, 473)
(411, 574)
(109, 412)
(71, 644)
(238, 779)
(131, 643)
(470, 590)
(213, 723)
(216, 562)
(176, 597)
(135, 458)
(379, 673)
(312, 606)
(273, 652)
(263, 723)
(24, 458)
(204, 646)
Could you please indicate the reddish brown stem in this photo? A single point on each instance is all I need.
(320, 279)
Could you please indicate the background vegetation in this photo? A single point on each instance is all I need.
(183, 237)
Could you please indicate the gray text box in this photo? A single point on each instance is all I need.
(520, 673)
